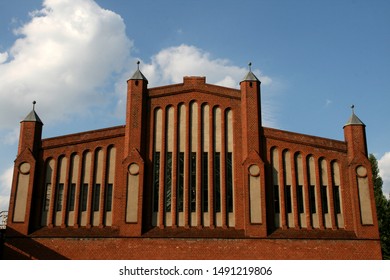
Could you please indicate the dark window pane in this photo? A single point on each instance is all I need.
(180, 183)
(217, 181)
(47, 197)
(287, 195)
(96, 197)
(156, 179)
(193, 182)
(84, 196)
(300, 199)
(71, 199)
(324, 199)
(109, 197)
(60, 195)
(312, 196)
(205, 183)
(229, 182)
(168, 182)
(336, 199)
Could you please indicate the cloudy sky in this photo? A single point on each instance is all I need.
(314, 58)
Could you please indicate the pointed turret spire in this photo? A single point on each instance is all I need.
(250, 76)
(33, 116)
(138, 74)
(354, 120)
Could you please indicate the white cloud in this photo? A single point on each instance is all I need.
(5, 188)
(3, 57)
(171, 64)
(384, 171)
(70, 52)
(63, 56)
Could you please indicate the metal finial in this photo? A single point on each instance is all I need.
(250, 66)
(34, 102)
(138, 63)
(353, 107)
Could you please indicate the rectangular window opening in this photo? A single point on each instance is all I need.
(324, 199)
(217, 182)
(193, 182)
(312, 200)
(287, 194)
(336, 199)
(47, 197)
(301, 208)
(180, 182)
(168, 182)
(60, 195)
(84, 197)
(108, 198)
(205, 178)
(229, 181)
(156, 179)
(96, 197)
(72, 196)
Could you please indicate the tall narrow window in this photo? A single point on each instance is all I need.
(324, 199)
(180, 182)
(205, 177)
(158, 120)
(96, 197)
(108, 197)
(60, 195)
(193, 182)
(229, 182)
(168, 182)
(229, 160)
(217, 181)
(336, 199)
(156, 179)
(84, 197)
(312, 201)
(336, 188)
(300, 199)
(72, 194)
(276, 199)
(287, 195)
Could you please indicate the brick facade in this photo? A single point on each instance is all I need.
(192, 174)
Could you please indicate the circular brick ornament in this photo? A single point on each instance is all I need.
(134, 169)
(361, 171)
(254, 170)
(24, 168)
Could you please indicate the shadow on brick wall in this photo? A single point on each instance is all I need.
(15, 246)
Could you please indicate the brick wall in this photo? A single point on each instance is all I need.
(183, 249)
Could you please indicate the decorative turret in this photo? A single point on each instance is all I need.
(134, 152)
(19, 214)
(30, 132)
(135, 112)
(355, 136)
(253, 162)
(361, 176)
(250, 112)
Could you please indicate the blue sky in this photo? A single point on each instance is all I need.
(314, 58)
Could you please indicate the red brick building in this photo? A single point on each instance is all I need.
(193, 174)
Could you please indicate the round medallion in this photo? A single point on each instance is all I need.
(254, 170)
(361, 171)
(134, 169)
(24, 168)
